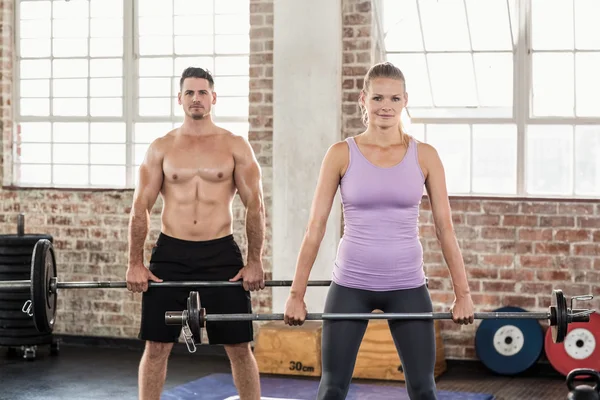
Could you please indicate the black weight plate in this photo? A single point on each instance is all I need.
(16, 268)
(15, 260)
(194, 317)
(43, 269)
(14, 314)
(23, 276)
(559, 303)
(25, 240)
(509, 346)
(14, 295)
(19, 332)
(16, 251)
(12, 305)
(16, 323)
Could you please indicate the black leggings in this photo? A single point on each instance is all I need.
(414, 339)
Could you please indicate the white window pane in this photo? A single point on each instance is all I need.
(35, 88)
(193, 7)
(587, 162)
(156, 26)
(237, 6)
(106, 27)
(414, 68)
(34, 29)
(232, 44)
(113, 154)
(35, 48)
(489, 24)
(181, 63)
(232, 65)
(231, 107)
(156, 45)
(156, 67)
(495, 159)
(444, 26)
(70, 28)
(587, 80)
(587, 30)
(552, 24)
(193, 44)
(70, 132)
(494, 74)
(70, 68)
(70, 153)
(140, 153)
(452, 143)
(70, 175)
(34, 69)
(194, 25)
(70, 9)
(32, 174)
(231, 24)
(106, 8)
(154, 107)
(108, 132)
(237, 128)
(155, 8)
(232, 86)
(417, 131)
(35, 9)
(402, 26)
(147, 132)
(69, 87)
(70, 47)
(106, 107)
(106, 87)
(34, 132)
(34, 107)
(549, 159)
(106, 67)
(106, 47)
(34, 153)
(69, 107)
(553, 84)
(457, 89)
(111, 176)
(154, 87)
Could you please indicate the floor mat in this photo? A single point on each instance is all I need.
(220, 387)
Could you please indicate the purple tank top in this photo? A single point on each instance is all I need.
(380, 249)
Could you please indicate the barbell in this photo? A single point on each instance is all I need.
(43, 286)
(194, 318)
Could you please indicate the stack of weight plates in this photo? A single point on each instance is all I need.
(580, 349)
(509, 346)
(16, 327)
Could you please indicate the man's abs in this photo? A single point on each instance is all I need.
(196, 221)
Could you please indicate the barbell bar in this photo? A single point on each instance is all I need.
(43, 286)
(559, 315)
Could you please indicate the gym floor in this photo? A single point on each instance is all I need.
(86, 371)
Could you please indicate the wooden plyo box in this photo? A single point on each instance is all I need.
(289, 350)
(378, 358)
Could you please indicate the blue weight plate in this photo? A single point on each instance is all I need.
(509, 346)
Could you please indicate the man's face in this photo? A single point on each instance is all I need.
(196, 98)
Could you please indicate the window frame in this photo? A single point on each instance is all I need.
(521, 110)
(130, 105)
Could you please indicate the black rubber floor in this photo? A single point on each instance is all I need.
(81, 372)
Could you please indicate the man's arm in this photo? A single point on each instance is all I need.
(150, 181)
(248, 180)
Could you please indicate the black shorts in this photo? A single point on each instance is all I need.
(181, 260)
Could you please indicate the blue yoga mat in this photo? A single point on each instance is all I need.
(221, 387)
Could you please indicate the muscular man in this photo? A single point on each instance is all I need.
(197, 169)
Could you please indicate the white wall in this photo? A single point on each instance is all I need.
(307, 75)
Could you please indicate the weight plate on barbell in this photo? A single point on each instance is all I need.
(43, 269)
(580, 349)
(558, 302)
(509, 346)
(193, 321)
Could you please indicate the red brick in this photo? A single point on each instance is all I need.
(588, 222)
(552, 248)
(480, 220)
(535, 234)
(539, 208)
(498, 286)
(587, 249)
(498, 260)
(557, 221)
(576, 209)
(498, 233)
(572, 235)
(516, 247)
(519, 301)
(465, 205)
(497, 207)
(596, 236)
(482, 273)
(553, 275)
(520, 220)
(540, 261)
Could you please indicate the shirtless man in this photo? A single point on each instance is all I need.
(197, 168)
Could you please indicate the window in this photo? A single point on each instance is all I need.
(97, 82)
(504, 89)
